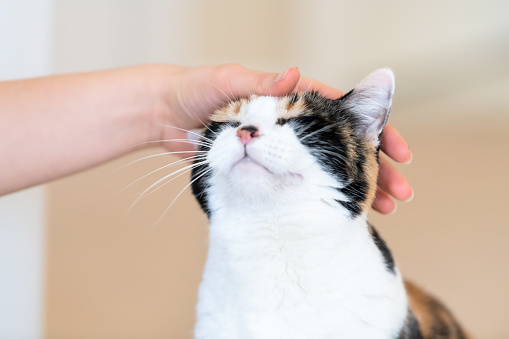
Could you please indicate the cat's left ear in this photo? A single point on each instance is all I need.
(371, 103)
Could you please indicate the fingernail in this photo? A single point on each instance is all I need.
(281, 76)
(411, 158)
(411, 197)
(394, 210)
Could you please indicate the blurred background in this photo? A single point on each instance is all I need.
(75, 264)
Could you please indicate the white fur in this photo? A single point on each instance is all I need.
(284, 260)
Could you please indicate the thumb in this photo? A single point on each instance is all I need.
(246, 81)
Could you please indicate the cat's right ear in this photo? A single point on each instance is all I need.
(370, 102)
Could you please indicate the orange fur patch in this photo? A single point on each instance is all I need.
(371, 172)
(287, 107)
(231, 112)
(291, 106)
(435, 321)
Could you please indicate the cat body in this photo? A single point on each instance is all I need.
(282, 283)
(287, 183)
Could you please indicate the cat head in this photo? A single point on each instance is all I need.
(260, 152)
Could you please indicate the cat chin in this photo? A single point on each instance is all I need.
(249, 184)
(249, 172)
(249, 167)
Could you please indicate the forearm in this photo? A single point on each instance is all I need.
(54, 126)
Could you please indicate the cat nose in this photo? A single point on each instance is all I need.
(247, 133)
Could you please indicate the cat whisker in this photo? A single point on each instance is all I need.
(301, 129)
(161, 154)
(206, 126)
(319, 131)
(233, 95)
(180, 193)
(148, 191)
(309, 86)
(193, 142)
(156, 170)
(189, 131)
(338, 155)
(200, 142)
(190, 113)
(219, 89)
(198, 162)
(167, 182)
(296, 93)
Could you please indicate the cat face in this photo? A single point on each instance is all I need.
(263, 151)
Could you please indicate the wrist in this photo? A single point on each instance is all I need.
(160, 86)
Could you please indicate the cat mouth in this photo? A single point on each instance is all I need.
(249, 165)
(249, 162)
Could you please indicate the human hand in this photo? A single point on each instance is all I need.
(197, 91)
(391, 183)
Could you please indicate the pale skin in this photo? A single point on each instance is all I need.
(54, 126)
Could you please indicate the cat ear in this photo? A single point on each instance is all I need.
(371, 103)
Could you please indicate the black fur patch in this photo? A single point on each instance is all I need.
(199, 184)
(411, 329)
(281, 121)
(441, 328)
(382, 246)
(293, 99)
(319, 128)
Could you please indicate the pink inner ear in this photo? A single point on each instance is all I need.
(371, 101)
(382, 78)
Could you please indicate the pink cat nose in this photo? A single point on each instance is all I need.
(247, 133)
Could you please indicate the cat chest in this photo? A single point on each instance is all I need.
(309, 286)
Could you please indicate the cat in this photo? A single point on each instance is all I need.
(286, 183)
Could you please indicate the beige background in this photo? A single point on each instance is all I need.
(113, 274)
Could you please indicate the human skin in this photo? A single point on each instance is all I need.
(54, 126)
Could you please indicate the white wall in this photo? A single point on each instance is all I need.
(24, 52)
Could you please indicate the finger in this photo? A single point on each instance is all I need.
(395, 146)
(383, 203)
(308, 85)
(393, 182)
(243, 82)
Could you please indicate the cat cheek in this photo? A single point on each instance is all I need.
(224, 154)
(295, 179)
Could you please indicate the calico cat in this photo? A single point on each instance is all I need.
(287, 183)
